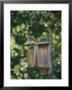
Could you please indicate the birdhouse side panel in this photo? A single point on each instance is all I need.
(31, 57)
(49, 57)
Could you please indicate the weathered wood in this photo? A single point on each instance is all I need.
(42, 56)
(31, 57)
(49, 58)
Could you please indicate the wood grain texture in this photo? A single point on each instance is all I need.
(31, 57)
(42, 56)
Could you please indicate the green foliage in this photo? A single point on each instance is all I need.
(38, 24)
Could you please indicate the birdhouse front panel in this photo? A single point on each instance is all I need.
(43, 55)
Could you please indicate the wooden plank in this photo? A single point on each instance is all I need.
(43, 56)
(49, 58)
(31, 59)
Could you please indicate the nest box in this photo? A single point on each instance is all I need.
(39, 55)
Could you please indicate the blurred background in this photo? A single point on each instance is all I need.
(38, 24)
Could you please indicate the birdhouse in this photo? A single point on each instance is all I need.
(39, 55)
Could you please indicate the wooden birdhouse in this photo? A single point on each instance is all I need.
(39, 55)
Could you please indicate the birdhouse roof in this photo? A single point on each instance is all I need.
(37, 43)
(43, 43)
